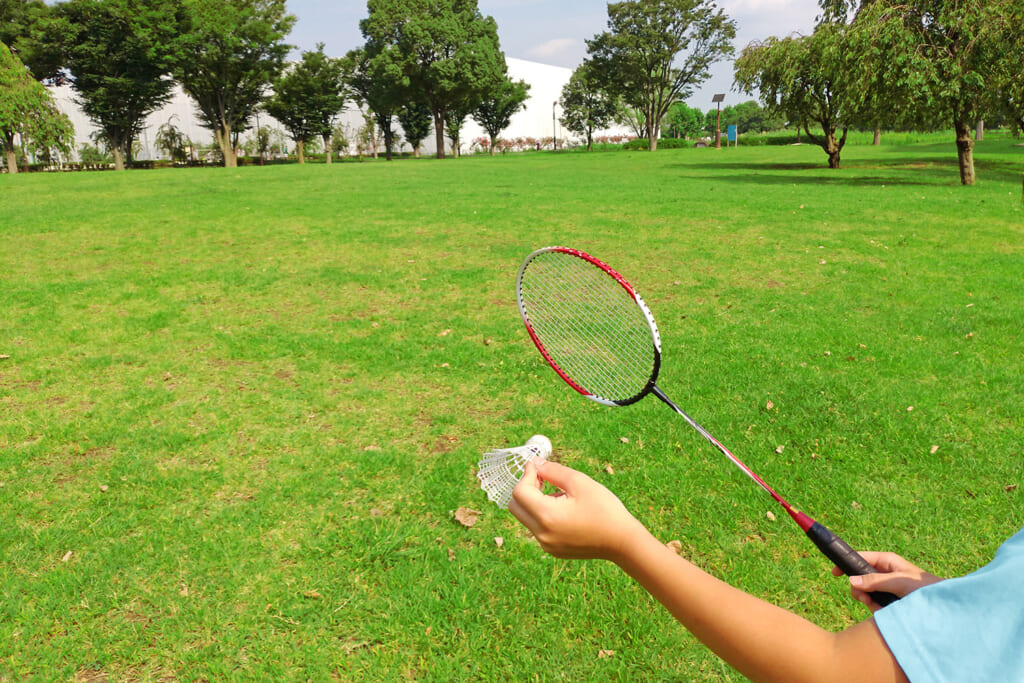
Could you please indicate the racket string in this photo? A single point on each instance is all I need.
(590, 325)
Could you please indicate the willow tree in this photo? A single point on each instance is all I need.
(809, 80)
(655, 52)
(28, 113)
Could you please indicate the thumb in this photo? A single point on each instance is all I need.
(557, 474)
(897, 584)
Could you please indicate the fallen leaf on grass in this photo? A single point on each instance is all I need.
(445, 333)
(499, 541)
(770, 515)
(1010, 487)
(934, 448)
(67, 556)
(780, 449)
(605, 653)
(769, 405)
(312, 595)
(624, 439)
(675, 546)
(609, 469)
(466, 517)
(4, 356)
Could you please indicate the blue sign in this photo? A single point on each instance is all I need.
(732, 133)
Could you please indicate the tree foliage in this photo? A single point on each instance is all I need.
(809, 80)
(656, 51)
(231, 51)
(683, 121)
(415, 119)
(308, 98)
(585, 106)
(495, 112)
(28, 113)
(377, 89)
(23, 28)
(936, 62)
(445, 51)
(120, 54)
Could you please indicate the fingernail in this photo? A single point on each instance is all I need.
(856, 581)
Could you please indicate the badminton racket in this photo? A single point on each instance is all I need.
(597, 333)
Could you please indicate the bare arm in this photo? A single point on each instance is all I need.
(760, 640)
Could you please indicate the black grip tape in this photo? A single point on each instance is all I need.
(846, 558)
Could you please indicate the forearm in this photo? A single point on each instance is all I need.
(758, 639)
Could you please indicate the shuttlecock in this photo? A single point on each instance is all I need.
(501, 469)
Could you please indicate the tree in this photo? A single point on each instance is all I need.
(585, 107)
(27, 111)
(684, 121)
(231, 51)
(495, 112)
(415, 119)
(638, 58)
(119, 54)
(307, 98)
(936, 60)
(375, 88)
(23, 27)
(807, 79)
(445, 51)
(172, 141)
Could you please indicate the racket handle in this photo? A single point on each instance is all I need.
(846, 558)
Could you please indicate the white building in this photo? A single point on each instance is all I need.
(538, 120)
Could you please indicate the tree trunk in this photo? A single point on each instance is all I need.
(439, 133)
(327, 148)
(832, 148)
(300, 151)
(878, 137)
(223, 136)
(118, 158)
(12, 159)
(965, 152)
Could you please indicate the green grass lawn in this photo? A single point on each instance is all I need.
(239, 407)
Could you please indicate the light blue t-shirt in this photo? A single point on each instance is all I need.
(965, 629)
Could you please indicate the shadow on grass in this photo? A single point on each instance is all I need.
(863, 171)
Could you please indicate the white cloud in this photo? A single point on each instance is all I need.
(554, 51)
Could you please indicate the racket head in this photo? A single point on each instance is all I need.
(590, 325)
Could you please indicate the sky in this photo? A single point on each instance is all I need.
(553, 31)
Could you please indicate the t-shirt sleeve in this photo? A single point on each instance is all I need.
(965, 629)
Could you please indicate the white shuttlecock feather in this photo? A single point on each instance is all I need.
(501, 469)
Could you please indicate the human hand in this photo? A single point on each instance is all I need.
(583, 520)
(895, 575)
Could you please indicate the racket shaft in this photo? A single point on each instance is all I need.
(717, 444)
(846, 558)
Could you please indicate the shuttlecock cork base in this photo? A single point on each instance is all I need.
(501, 469)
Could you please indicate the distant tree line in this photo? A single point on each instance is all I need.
(432, 64)
(424, 62)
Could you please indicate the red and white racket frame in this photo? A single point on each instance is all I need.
(648, 317)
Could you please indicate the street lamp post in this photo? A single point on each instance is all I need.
(717, 99)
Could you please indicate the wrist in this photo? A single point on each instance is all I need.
(636, 543)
